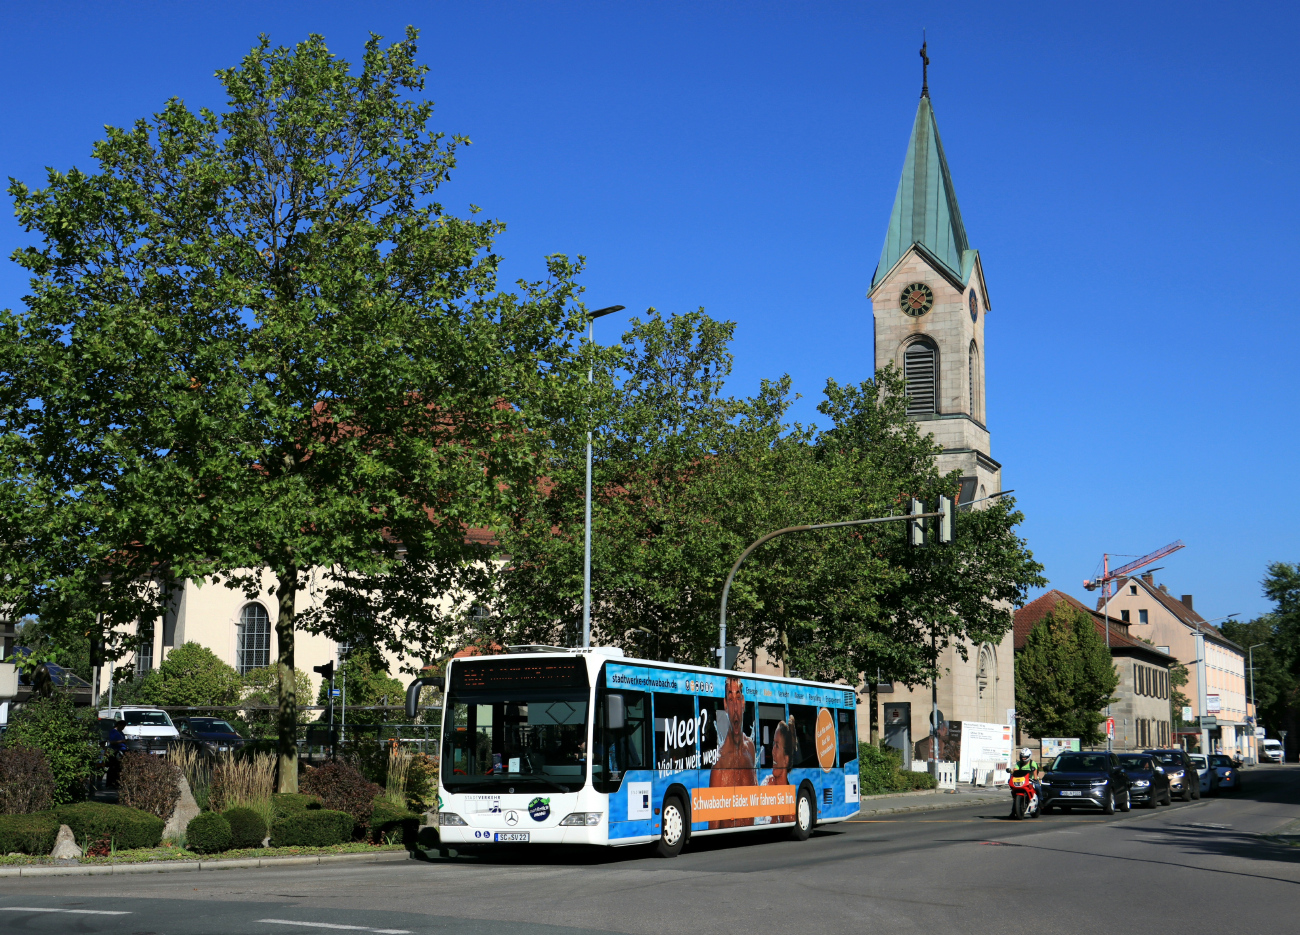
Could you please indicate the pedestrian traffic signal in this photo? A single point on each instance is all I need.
(945, 519)
(326, 671)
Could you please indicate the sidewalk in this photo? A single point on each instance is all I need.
(928, 800)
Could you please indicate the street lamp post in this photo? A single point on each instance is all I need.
(586, 545)
(1250, 654)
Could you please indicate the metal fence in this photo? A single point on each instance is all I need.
(314, 736)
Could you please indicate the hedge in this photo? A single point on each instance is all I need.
(247, 829)
(28, 834)
(208, 833)
(387, 818)
(127, 827)
(290, 803)
(318, 827)
(907, 780)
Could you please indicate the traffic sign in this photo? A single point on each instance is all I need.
(1209, 720)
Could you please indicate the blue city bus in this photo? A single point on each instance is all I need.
(584, 746)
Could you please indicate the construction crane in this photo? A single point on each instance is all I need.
(1108, 578)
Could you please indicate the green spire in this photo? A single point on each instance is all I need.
(925, 208)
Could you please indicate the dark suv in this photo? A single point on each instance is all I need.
(1148, 781)
(1184, 780)
(1088, 780)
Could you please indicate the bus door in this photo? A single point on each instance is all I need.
(847, 723)
(621, 762)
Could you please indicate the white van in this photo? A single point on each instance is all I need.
(1270, 751)
(143, 722)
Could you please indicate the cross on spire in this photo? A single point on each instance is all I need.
(925, 65)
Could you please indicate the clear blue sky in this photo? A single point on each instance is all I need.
(1127, 171)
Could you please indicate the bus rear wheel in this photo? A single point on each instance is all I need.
(805, 815)
(673, 824)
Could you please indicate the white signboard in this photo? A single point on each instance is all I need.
(1188, 714)
(985, 746)
(1054, 746)
(1212, 704)
(1259, 733)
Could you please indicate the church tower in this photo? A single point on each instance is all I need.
(930, 301)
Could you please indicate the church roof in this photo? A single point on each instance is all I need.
(925, 207)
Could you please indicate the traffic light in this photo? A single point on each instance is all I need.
(326, 671)
(916, 527)
(945, 520)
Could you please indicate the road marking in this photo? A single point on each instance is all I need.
(80, 912)
(335, 925)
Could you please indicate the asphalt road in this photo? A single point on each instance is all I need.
(1190, 868)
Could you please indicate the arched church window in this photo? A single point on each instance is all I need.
(986, 685)
(972, 378)
(921, 376)
(253, 650)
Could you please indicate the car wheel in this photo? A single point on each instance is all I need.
(1108, 803)
(1128, 802)
(672, 837)
(805, 816)
(1196, 792)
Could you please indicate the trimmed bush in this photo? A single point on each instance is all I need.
(291, 803)
(387, 818)
(342, 788)
(319, 827)
(208, 833)
(26, 785)
(149, 783)
(127, 827)
(247, 829)
(70, 743)
(877, 767)
(28, 834)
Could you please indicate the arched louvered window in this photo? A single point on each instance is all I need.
(254, 648)
(921, 374)
(972, 378)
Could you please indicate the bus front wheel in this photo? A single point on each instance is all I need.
(805, 815)
(673, 823)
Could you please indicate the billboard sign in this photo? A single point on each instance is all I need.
(1212, 704)
(1054, 746)
(985, 746)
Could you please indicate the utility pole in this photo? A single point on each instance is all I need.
(1254, 741)
(586, 544)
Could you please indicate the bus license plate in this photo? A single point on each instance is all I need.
(1069, 792)
(511, 837)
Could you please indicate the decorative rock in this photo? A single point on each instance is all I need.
(65, 845)
(186, 808)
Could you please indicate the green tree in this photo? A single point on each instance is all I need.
(1064, 677)
(68, 738)
(262, 687)
(255, 341)
(191, 675)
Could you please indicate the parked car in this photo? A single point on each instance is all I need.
(1086, 780)
(1270, 751)
(1202, 767)
(147, 728)
(1148, 782)
(1224, 774)
(1184, 781)
(212, 733)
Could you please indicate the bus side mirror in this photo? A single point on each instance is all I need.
(615, 712)
(413, 693)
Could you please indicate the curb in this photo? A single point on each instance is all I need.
(943, 803)
(194, 866)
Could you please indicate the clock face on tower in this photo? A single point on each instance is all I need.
(916, 299)
(974, 306)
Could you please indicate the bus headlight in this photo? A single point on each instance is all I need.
(580, 820)
(451, 819)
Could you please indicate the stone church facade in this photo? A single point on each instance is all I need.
(930, 303)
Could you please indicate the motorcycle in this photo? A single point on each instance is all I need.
(1024, 796)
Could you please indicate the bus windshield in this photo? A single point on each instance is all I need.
(516, 725)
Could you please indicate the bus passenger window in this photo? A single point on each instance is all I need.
(675, 732)
(847, 727)
(769, 716)
(804, 718)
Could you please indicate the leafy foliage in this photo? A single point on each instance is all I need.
(126, 827)
(254, 341)
(261, 687)
(69, 741)
(312, 828)
(1277, 661)
(26, 784)
(342, 787)
(247, 827)
(1064, 677)
(389, 822)
(29, 834)
(209, 833)
(289, 803)
(364, 680)
(193, 675)
(149, 783)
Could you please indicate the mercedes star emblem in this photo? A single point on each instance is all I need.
(512, 818)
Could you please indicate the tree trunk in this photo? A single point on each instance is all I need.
(287, 714)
